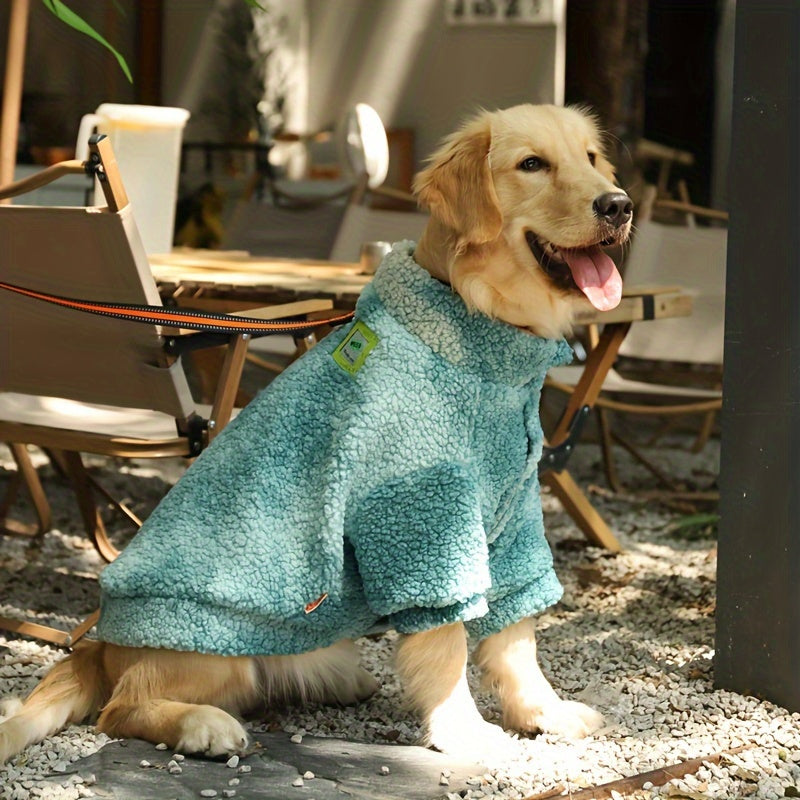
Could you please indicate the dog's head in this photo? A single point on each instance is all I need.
(523, 201)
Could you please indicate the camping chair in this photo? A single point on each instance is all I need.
(362, 224)
(693, 258)
(72, 382)
(301, 218)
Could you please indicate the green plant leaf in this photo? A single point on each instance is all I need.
(695, 521)
(255, 4)
(69, 17)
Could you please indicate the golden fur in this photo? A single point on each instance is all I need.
(482, 204)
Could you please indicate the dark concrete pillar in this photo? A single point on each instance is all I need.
(758, 609)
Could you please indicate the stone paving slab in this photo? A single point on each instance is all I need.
(341, 769)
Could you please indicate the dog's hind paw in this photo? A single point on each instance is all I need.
(566, 718)
(212, 732)
(9, 706)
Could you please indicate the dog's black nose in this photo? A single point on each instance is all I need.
(614, 207)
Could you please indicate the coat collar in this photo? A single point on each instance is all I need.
(434, 313)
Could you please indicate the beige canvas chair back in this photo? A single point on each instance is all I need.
(694, 259)
(92, 254)
(362, 224)
(264, 229)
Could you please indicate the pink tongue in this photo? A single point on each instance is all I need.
(596, 275)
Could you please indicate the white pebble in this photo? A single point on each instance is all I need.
(174, 769)
(384, 770)
(234, 782)
(144, 763)
(229, 792)
(161, 746)
(179, 756)
(232, 762)
(208, 793)
(296, 739)
(297, 782)
(444, 781)
(309, 775)
(245, 768)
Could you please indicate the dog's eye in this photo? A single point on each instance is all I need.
(592, 158)
(533, 164)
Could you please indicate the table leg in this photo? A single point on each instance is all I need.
(581, 510)
(575, 502)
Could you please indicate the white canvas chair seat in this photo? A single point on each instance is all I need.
(119, 423)
(616, 383)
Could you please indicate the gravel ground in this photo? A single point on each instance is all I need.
(633, 636)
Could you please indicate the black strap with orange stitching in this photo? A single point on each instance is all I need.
(183, 318)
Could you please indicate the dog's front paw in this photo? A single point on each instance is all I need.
(481, 742)
(566, 718)
(212, 732)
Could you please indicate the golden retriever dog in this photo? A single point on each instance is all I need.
(522, 204)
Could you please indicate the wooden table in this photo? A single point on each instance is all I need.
(234, 281)
(243, 281)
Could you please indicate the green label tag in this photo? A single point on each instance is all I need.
(351, 354)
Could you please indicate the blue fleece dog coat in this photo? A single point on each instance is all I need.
(389, 474)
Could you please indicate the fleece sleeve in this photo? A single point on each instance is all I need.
(420, 545)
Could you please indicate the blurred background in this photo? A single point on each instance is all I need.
(285, 74)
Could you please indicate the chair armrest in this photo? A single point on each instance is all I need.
(42, 178)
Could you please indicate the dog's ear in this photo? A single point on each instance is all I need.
(457, 187)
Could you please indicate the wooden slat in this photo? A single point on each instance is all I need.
(97, 443)
(241, 261)
(296, 309)
(37, 631)
(641, 289)
(632, 309)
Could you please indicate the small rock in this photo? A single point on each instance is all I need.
(174, 769)
(298, 782)
(144, 763)
(234, 782)
(161, 746)
(296, 739)
(232, 762)
(309, 775)
(245, 768)
(178, 757)
(229, 792)
(444, 781)
(384, 770)
(208, 793)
